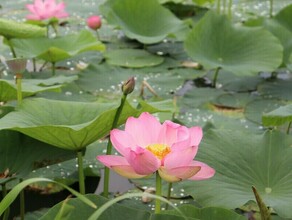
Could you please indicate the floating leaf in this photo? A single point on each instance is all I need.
(145, 21)
(133, 58)
(279, 116)
(57, 49)
(215, 42)
(8, 90)
(280, 89)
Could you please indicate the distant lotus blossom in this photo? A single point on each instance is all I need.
(94, 22)
(147, 146)
(46, 9)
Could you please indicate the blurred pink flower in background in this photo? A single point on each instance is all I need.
(46, 9)
(147, 146)
(94, 22)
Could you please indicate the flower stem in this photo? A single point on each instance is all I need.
(11, 49)
(22, 203)
(168, 194)
(230, 9)
(80, 172)
(6, 213)
(271, 8)
(288, 129)
(53, 68)
(18, 78)
(158, 193)
(218, 6)
(109, 146)
(215, 77)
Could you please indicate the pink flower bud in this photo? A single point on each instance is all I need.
(94, 22)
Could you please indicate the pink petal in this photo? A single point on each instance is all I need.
(168, 133)
(183, 139)
(179, 173)
(122, 141)
(143, 161)
(206, 172)
(178, 158)
(33, 17)
(144, 129)
(119, 165)
(196, 134)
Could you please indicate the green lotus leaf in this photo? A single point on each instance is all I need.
(68, 125)
(280, 89)
(241, 160)
(21, 154)
(133, 58)
(279, 116)
(145, 21)
(14, 29)
(57, 49)
(64, 124)
(206, 213)
(8, 90)
(215, 42)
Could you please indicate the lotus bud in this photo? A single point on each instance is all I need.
(94, 22)
(128, 86)
(17, 65)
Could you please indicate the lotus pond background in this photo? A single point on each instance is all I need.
(227, 69)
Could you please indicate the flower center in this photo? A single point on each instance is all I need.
(159, 150)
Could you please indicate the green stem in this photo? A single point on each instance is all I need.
(158, 193)
(4, 193)
(229, 9)
(18, 84)
(81, 172)
(224, 6)
(11, 49)
(110, 146)
(34, 64)
(288, 129)
(168, 194)
(22, 203)
(215, 77)
(53, 68)
(218, 6)
(271, 8)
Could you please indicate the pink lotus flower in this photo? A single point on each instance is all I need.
(46, 9)
(94, 22)
(147, 146)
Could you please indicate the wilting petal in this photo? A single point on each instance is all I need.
(178, 158)
(206, 172)
(122, 141)
(143, 161)
(179, 173)
(119, 165)
(144, 129)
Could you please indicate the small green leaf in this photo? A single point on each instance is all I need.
(133, 58)
(278, 116)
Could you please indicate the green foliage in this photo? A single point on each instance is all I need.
(216, 43)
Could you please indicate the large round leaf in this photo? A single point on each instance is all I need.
(57, 49)
(145, 21)
(11, 29)
(68, 125)
(215, 42)
(134, 58)
(241, 160)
